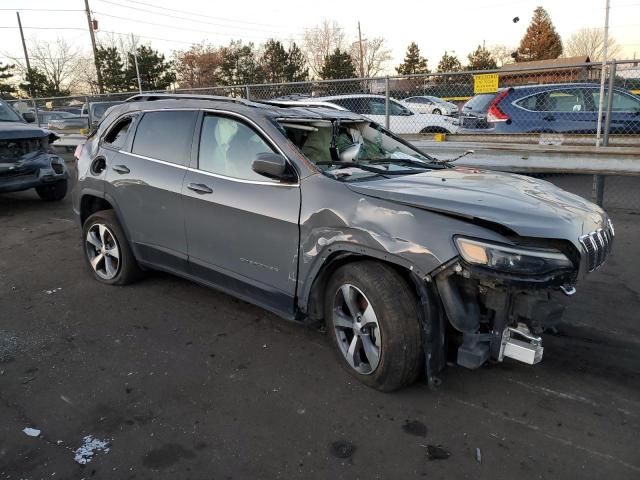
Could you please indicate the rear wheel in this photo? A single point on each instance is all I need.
(371, 316)
(107, 250)
(53, 192)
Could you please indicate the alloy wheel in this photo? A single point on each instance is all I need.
(102, 251)
(356, 328)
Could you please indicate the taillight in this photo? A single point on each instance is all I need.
(494, 114)
(78, 151)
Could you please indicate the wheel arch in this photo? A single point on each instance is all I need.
(90, 204)
(430, 311)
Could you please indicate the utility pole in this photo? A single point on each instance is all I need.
(135, 59)
(26, 54)
(29, 76)
(361, 50)
(93, 44)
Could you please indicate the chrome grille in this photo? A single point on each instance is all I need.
(597, 245)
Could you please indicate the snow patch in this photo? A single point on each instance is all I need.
(32, 432)
(89, 448)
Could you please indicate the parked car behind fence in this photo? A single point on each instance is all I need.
(557, 108)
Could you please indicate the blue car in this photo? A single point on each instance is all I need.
(559, 108)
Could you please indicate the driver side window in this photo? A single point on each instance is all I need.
(229, 147)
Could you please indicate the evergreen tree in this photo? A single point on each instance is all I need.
(541, 42)
(481, 59)
(449, 63)
(6, 74)
(338, 65)
(155, 72)
(239, 66)
(413, 61)
(112, 69)
(38, 85)
(273, 62)
(296, 69)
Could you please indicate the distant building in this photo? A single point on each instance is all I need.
(558, 70)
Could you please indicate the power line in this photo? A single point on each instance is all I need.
(41, 9)
(185, 12)
(145, 36)
(175, 27)
(45, 28)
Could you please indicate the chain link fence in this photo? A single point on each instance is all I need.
(554, 102)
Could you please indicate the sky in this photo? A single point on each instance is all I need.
(456, 26)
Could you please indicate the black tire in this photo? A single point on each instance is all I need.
(437, 111)
(127, 270)
(427, 130)
(401, 356)
(53, 192)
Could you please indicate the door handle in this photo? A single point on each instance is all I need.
(549, 118)
(121, 168)
(199, 188)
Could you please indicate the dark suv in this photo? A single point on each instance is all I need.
(26, 159)
(317, 213)
(558, 108)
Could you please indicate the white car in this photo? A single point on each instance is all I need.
(429, 104)
(401, 120)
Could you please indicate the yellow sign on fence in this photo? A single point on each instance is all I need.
(485, 83)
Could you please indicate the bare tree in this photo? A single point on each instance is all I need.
(85, 80)
(375, 55)
(319, 42)
(589, 42)
(502, 53)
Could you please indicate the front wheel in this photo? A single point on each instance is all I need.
(371, 315)
(53, 192)
(436, 111)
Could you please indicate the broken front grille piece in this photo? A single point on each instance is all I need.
(597, 245)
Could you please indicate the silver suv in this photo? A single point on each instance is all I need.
(321, 214)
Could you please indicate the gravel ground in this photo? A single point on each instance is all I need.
(183, 382)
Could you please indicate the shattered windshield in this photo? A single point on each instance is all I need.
(7, 114)
(355, 150)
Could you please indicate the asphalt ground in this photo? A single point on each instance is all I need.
(184, 382)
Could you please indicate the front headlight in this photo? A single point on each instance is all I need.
(515, 260)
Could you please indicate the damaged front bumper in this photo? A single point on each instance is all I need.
(495, 316)
(30, 171)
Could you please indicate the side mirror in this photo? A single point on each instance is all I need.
(350, 154)
(270, 165)
(29, 117)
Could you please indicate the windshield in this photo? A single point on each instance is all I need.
(8, 114)
(355, 150)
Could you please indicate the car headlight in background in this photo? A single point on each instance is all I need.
(515, 260)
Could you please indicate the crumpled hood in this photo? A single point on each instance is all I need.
(14, 130)
(528, 206)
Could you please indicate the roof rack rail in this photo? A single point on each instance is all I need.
(149, 97)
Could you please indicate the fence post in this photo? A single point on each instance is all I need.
(35, 109)
(598, 180)
(386, 102)
(86, 101)
(246, 91)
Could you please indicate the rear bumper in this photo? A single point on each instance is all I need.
(42, 169)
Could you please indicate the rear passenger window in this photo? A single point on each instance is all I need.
(165, 135)
(116, 137)
(555, 101)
